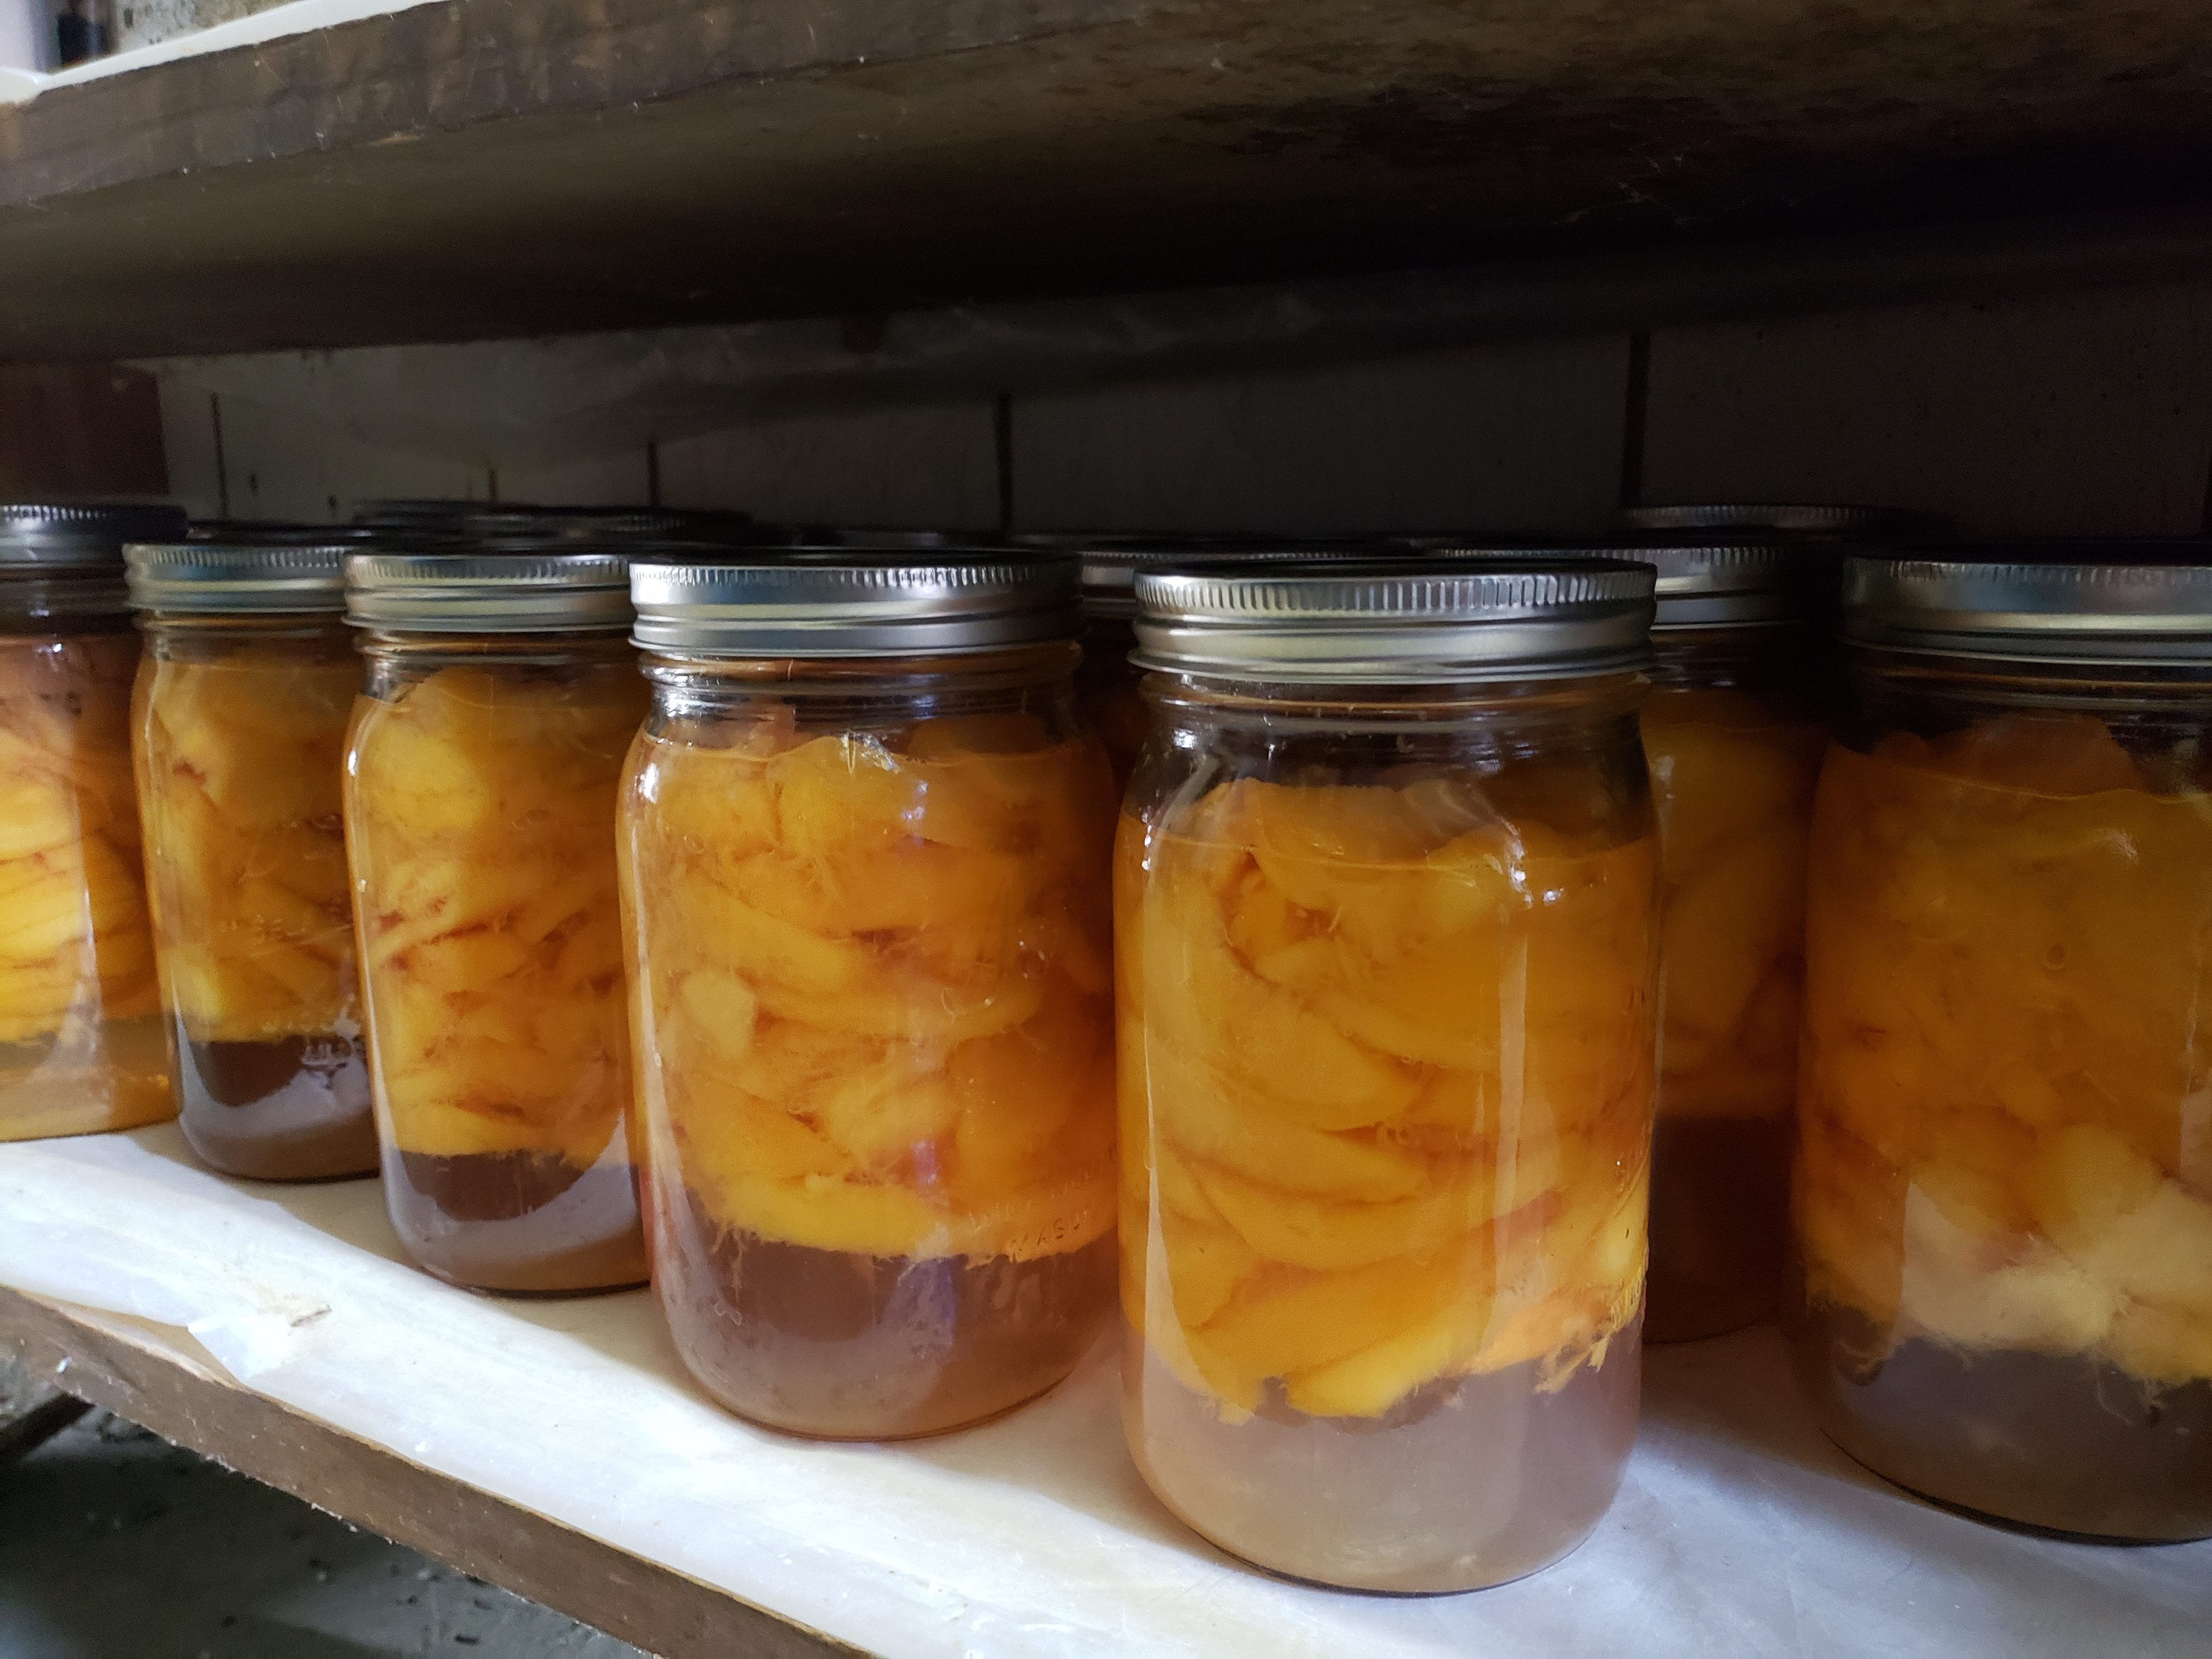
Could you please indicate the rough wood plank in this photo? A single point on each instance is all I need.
(516, 167)
(32, 1410)
(659, 1610)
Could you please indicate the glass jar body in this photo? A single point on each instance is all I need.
(1735, 749)
(479, 805)
(2004, 1182)
(1107, 686)
(1386, 987)
(83, 1046)
(237, 731)
(870, 951)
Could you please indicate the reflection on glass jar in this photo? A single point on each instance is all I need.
(2004, 1184)
(1385, 936)
(480, 794)
(239, 733)
(867, 890)
(82, 1044)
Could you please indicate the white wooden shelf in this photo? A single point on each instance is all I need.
(557, 1447)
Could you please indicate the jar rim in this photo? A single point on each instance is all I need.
(38, 539)
(1110, 560)
(2146, 602)
(299, 575)
(450, 518)
(1701, 582)
(849, 603)
(1800, 518)
(1396, 621)
(488, 592)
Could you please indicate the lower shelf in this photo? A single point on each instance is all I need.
(556, 1448)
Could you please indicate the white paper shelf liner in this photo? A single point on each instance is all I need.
(1739, 1529)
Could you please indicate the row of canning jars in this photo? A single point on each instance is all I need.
(1389, 899)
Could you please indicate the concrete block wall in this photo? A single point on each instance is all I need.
(2085, 413)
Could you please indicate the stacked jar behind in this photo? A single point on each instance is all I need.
(1733, 731)
(2003, 1192)
(1106, 682)
(502, 694)
(1734, 734)
(866, 840)
(238, 730)
(83, 1046)
(1386, 893)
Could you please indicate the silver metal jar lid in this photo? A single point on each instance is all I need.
(853, 603)
(40, 537)
(500, 520)
(535, 592)
(1110, 561)
(1791, 517)
(279, 532)
(2113, 602)
(1398, 620)
(268, 577)
(1703, 584)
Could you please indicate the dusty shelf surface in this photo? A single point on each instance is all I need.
(477, 168)
(555, 1447)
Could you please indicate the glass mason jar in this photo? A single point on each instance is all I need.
(1386, 906)
(866, 850)
(237, 731)
(1800, 523)
(2003, 1191)
(1733, 733)
(1106, 682)
(82, 1043)
(502, 695)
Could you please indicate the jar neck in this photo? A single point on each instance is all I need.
(1881, 674)
(1753, 657)
(420, 652)
(2161, 716)
(679, 677)
(217, 627)
(1183, 699)
(63, 602)
(707, 701)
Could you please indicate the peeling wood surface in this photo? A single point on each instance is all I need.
(104, 1360)
(499, 168)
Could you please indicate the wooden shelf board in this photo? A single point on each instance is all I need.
(506, 167)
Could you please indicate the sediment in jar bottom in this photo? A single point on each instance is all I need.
(287, 1108)
(86, 1080)
(858, 1347)
(1720, 1223)
(2067, 1442)
(518, 1223)
(1467, 1482)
